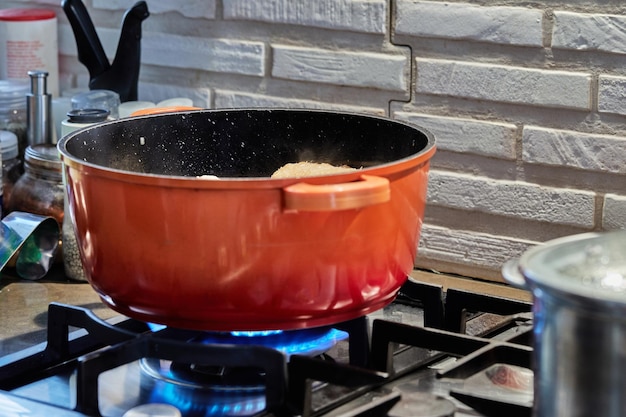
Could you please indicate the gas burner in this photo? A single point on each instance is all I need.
(309, 342)
(205, 377)
(392, 366)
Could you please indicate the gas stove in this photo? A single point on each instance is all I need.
(429, 353)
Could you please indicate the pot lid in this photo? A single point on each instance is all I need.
(26, 14)
(590, 265)
(43, 156)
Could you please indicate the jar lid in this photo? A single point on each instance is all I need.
(8, 145)
(13, 94)
(44, 156)
(25, 15)
(87, 115)
(98, 99)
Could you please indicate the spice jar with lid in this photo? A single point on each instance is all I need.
(12, 168)
(40, 189)
(98, 99)
(13, 113)
(80, 118)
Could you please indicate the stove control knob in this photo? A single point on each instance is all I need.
(153, 410)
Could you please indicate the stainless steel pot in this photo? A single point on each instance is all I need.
(579, 305)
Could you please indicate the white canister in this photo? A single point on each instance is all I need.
(29, 41)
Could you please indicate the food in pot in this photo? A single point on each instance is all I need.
(300, 170)
(309, 169)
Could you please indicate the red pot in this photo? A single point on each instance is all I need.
(246, 252)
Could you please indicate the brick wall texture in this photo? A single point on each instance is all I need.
(526, 103)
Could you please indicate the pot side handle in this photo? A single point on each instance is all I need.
(369, 190)
(513, 275)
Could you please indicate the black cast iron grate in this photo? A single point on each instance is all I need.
(107, 346)
(288, 384)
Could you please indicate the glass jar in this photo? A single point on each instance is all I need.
(1, 192)
(40, 189)
(12, 167)
(98, 99)
(13, 110)
(72, 263)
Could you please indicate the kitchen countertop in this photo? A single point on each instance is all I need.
(471, 284)
(24, 304)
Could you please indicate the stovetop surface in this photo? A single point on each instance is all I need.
(407, 387)
(24, 306)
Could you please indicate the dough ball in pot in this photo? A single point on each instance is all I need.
(309, 169)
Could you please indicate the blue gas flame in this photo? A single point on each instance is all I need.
(293, 342)
(202, 403)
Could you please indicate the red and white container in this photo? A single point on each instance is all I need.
(29, 41)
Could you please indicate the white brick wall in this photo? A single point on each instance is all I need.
(188, 8)
(359, 69)
(526, 102)
(589, 31)
(465, 135)
(516, 85)
(477, 253)
(215, 55)
(503, 25)
(360, 16)
(611, 93)
(601, 153)
(614, 213)
(235, 99)
(512, 199)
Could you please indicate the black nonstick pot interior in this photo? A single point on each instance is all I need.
(244, 143)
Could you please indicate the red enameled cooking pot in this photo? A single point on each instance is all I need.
(246, 251)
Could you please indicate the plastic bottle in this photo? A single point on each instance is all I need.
(29, 41)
